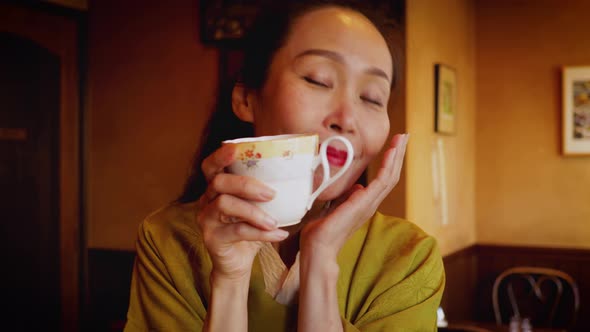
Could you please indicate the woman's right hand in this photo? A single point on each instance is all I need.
(233, 228)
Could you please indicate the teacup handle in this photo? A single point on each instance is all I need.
(323, 159)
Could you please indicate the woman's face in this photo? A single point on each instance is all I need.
(332, 77)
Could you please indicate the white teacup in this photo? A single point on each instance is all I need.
(287, 164)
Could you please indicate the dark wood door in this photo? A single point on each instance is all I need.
(29, 236)
(39, 168)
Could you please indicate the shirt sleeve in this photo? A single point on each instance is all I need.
(156, 303)
(408, 302)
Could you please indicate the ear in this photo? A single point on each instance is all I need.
(241, 106)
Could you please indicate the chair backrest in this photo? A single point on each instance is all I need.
(548, 297)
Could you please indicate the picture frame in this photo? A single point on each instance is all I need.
(575, 115)
(224, 22)
(445, 99)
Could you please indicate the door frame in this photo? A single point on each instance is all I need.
(39, 23)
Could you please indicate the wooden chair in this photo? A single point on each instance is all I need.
(548, 297)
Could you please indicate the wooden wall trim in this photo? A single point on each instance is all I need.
(461, 286)
(493, 259)
(459, 254)
(471, 272)
(109, 283)
(559, 252)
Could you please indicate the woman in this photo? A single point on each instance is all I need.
(324, 69)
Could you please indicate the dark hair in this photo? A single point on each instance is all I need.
(265, 37)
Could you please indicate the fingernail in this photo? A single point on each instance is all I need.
(270, 222)
(267, 194)
(280, 234)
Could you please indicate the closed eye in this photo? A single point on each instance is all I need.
(372, 101)
(314, 82)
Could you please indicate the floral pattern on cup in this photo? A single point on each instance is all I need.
(250, 158)
(287, 154)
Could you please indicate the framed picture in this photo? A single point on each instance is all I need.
(575, 116)
(225, 22)
(445, 99)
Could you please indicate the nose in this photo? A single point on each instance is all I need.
(342, 119)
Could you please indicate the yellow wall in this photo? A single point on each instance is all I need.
(395, 203)
(151, 86)
(441, 32)
(527, 193)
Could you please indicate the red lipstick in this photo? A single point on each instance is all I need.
(336, 157)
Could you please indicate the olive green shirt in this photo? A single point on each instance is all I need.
(391, 279)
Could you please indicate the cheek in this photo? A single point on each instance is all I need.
(291, 109)
(273, 117)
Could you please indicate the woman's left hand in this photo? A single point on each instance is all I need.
(326, 236)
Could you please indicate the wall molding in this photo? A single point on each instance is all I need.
(472, 270)
(470, 273)
(108, 288)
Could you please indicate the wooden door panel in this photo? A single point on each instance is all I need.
(43, 156)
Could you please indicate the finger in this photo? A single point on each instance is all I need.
(389, 173)
(399, 159)
(380, 183)
(244, 187)
(225, 219)
(218, 160)
(225, 206)
(385, 180)
(397, 140)
(246, 232)
(389, 158)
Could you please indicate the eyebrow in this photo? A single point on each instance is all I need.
(335, 56)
